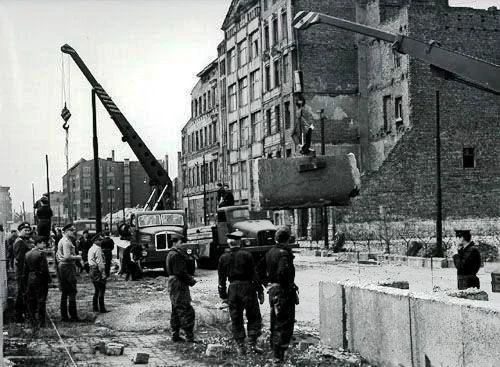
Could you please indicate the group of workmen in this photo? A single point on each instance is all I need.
(247, 281)
(29, 253)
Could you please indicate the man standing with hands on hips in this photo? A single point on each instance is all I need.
(467, 260)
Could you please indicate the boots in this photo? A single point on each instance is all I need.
(72, 310)
(102, 309)
(176, 338)
(252, 343)
(95, 304)
(190, 336)
(279, 356)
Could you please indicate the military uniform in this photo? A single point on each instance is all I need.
(277, 270)
(20, 247)
(238, 267)
(37, 278)
(179, 281)
(467, 261)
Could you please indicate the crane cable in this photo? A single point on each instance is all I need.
(65, 113)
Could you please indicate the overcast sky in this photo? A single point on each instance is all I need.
(145, 53)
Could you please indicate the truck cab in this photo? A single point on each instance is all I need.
(151, 236)
(257, 228)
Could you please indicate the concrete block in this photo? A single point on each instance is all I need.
(415, 261)
(331, 315)
(214, 350)
(369, 312)
(114, 349)
(481, 328)
(436, 332)
(141, 358)
(363, 256)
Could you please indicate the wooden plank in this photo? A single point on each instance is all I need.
(302, 182)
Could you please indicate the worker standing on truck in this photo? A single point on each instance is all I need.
(243, 294)
(179, 281)
(277, 271)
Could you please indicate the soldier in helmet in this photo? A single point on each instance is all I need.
(243, 294)
(276, 270)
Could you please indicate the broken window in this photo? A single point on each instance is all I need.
(468, 158)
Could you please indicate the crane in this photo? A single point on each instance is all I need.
(158, 177)
(453, 65)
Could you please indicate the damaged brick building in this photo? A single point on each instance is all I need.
(378, 104)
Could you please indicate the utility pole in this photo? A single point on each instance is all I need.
(98, 213)
(439, 212)
(324, 209)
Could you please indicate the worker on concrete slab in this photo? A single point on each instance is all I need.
(243, 294)
(180, 279)
(467, 259)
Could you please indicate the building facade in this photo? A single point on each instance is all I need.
(123, 184)
(373, 102)
(5, 205)
(199, 164)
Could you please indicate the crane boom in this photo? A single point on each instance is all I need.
(451, 65)
(158, 177)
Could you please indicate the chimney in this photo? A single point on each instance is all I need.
(112, 155)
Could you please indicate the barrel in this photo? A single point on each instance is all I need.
(495, 282)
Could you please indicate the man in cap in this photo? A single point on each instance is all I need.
(66, 258)
(107, 247)
(97, 273)
(244, 292)
(21, 246)
(179, 281)
(37, 278)
(467, 260)
(276, 269)
(9, 248)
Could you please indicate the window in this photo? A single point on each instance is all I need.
(277, 118)
(243, 91)
(197, 141)
(287, 115)
(385, 111)
(200, 106)
(284, 25)
(233, 136)
(397, 59)
(215, 131)
(204, 102)
(276, 73)
(256, 126)
(242, 53)
(275, 30)
(398, 111)
(222, 67)
(231, 61)
(201, 138)
(286, 67)
(211, 171)
(266, 37)
(205, 133)
(267, 77)
(209, 100)
(468, 160)
(213, 96)
(232, 97)
(86, 181)
(268, 122)
(195, 112)
(215, 170)
(86, 194)
(254, 45)
(265, 4)
(235, 176)
(223, 93)
(244, 133)
(254, 85)
(244, 175)
(86, 170)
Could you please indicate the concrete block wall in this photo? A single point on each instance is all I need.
(393, 327)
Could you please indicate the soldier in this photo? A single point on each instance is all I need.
(467, 260)
(37, 278)
(83, 246)
(277, 270)
(238, 267)
(21, 246)
(97, 273)
(66, 258)
(179, 281)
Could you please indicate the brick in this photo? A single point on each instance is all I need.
(141, 358)
(114, 349)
